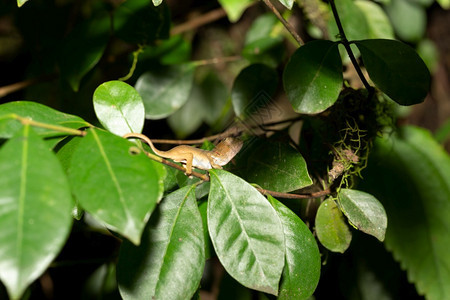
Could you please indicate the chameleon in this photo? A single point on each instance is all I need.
(195, 157)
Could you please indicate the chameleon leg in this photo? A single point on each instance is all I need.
(189, 159)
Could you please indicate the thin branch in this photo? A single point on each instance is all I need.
(216, 60)
(209, 17)
(294, 196)
(233, 131)
(346, 44)
(8, 89)
(286, 24)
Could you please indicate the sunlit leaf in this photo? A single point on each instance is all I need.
(115, 183)
(302, 269)
(409, 173)
(119, 107)
(287, 3)
(364, 212)
(379, 26)
(21, 2)
(331, 227)
(408, 19)
(169, 262)
(246, 232)
(157, 2)
(396, 69)
(35, 204)
(78, 58)
(235, 8)
(353, 21)
(253, 89)
(313, 77)
(165, 90)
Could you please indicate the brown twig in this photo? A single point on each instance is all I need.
(233, 131)
(209, 17)
(11, 88)
(286, 24)
(294, 196)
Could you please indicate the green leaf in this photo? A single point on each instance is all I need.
(119, 107)
(156, 2)
(445, 4)
(364, 212)
(21, 2)
(9, 124)
(189, 117)
(165, 90)
(414, 173)
(169, 262)
(246, 232)
(331, 228)
(379, 26)
(302, 268)
(139, 22)
(118, 186)
(274, 165)
(408, 19)
(268, 50)
(396, 69)
(235, 8)
(78, 58)
(261, 28)
(353, 21)
(35, 209)
(287, 3)
(252, 89)
(313, 77)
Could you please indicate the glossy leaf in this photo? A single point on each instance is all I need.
(364, 212)
(253, 89)
(35, 204)
(78, 58)
(169, 262)
(246, 232)
(235, 8)
(118, 186)
(165, 90)
(396, 69)
(139, 22)
(313, 77)
(157, 2)
(119, 107)
(302, 269)
(408, 19)
(414, 173)
(379, 26)
(331, 227)
(287, 3)
(9, 124)
(274, 166)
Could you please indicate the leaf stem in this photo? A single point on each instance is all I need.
(285, 23)
(346, 43)
(134, 63)
(28, 121)
(216, 60)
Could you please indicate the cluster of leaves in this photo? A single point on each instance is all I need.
(57, 167)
